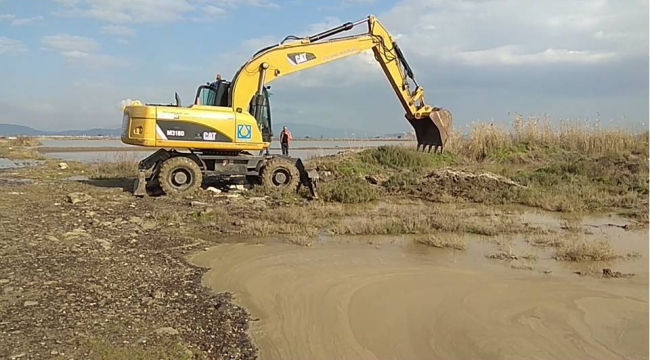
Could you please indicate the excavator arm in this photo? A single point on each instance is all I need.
(295, 54)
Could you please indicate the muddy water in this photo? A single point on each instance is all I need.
(389, 298)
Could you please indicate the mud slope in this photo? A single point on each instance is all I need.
(352, 301)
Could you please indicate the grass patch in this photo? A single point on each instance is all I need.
(21, 141)
(444, 241)
(20, 148)
(165, 350)
(580, 249)
(349, 191)
(566, 166)
(401, 157)
(120, 166)
(585, 250)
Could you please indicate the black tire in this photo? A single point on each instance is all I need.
(180, 175)
(280, 174)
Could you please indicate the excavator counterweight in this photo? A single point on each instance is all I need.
(229, 120)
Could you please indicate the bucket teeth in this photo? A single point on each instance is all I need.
(432, 131)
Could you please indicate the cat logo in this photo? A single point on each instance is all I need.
(300, 58)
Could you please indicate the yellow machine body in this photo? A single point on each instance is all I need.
(197, 127)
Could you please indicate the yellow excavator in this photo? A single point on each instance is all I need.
(231, 119)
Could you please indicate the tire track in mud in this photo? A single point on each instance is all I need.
(349, 301)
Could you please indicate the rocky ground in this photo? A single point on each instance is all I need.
(89, 272)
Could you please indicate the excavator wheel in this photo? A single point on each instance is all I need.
(179, 175)
(280, 174)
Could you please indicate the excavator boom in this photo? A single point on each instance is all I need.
(295, 54)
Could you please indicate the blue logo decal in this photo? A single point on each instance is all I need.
(244, 132)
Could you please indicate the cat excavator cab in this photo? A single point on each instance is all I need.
(231, 119)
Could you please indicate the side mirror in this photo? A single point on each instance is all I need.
(178, 99)
(268, 87)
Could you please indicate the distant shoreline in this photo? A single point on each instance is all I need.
(74, 149)
(100, 138)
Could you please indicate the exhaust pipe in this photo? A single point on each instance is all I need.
(432, 130)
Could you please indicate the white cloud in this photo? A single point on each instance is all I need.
(149, 11)
(11, 46)
(489, 33)
(80, 50)
(91, 60)
(66, 42)
(118, 30)
(210, 13)
(26, 21)
(236, 3)
(7, 16)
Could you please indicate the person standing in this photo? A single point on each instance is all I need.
(285, 140)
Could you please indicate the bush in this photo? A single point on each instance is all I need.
(348, 190)
(400, 157)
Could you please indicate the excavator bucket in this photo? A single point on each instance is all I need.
(433, 130)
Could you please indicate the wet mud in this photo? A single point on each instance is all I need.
(393, 298)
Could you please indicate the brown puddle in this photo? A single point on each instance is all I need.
(389, 298)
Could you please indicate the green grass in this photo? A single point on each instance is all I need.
(568, 167)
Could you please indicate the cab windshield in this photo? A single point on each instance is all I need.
(215, 94)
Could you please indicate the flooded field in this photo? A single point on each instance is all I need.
(394, 298)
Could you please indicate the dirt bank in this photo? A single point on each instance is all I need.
(403, 301)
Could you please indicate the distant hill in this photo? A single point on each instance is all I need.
(299, 131)
(18, 130)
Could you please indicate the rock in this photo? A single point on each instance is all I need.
(63, 166)
(104, 243)
(146, 300)
(166, 331)
(17, 356)
(29, 303)
(76, 233)
(213, 190)
(54, 352)
(135, 220)
(238, 187)
(198, 203)
(376, 179)
(78, 197)
(325, 175)
(5, 281)
(51, 238)
(158, 294)
(149, 225)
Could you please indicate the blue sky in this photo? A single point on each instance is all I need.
(71, 62)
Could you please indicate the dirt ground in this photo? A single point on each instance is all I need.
(102, 279)
(89, 272)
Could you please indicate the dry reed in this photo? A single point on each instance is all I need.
(569, 135)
